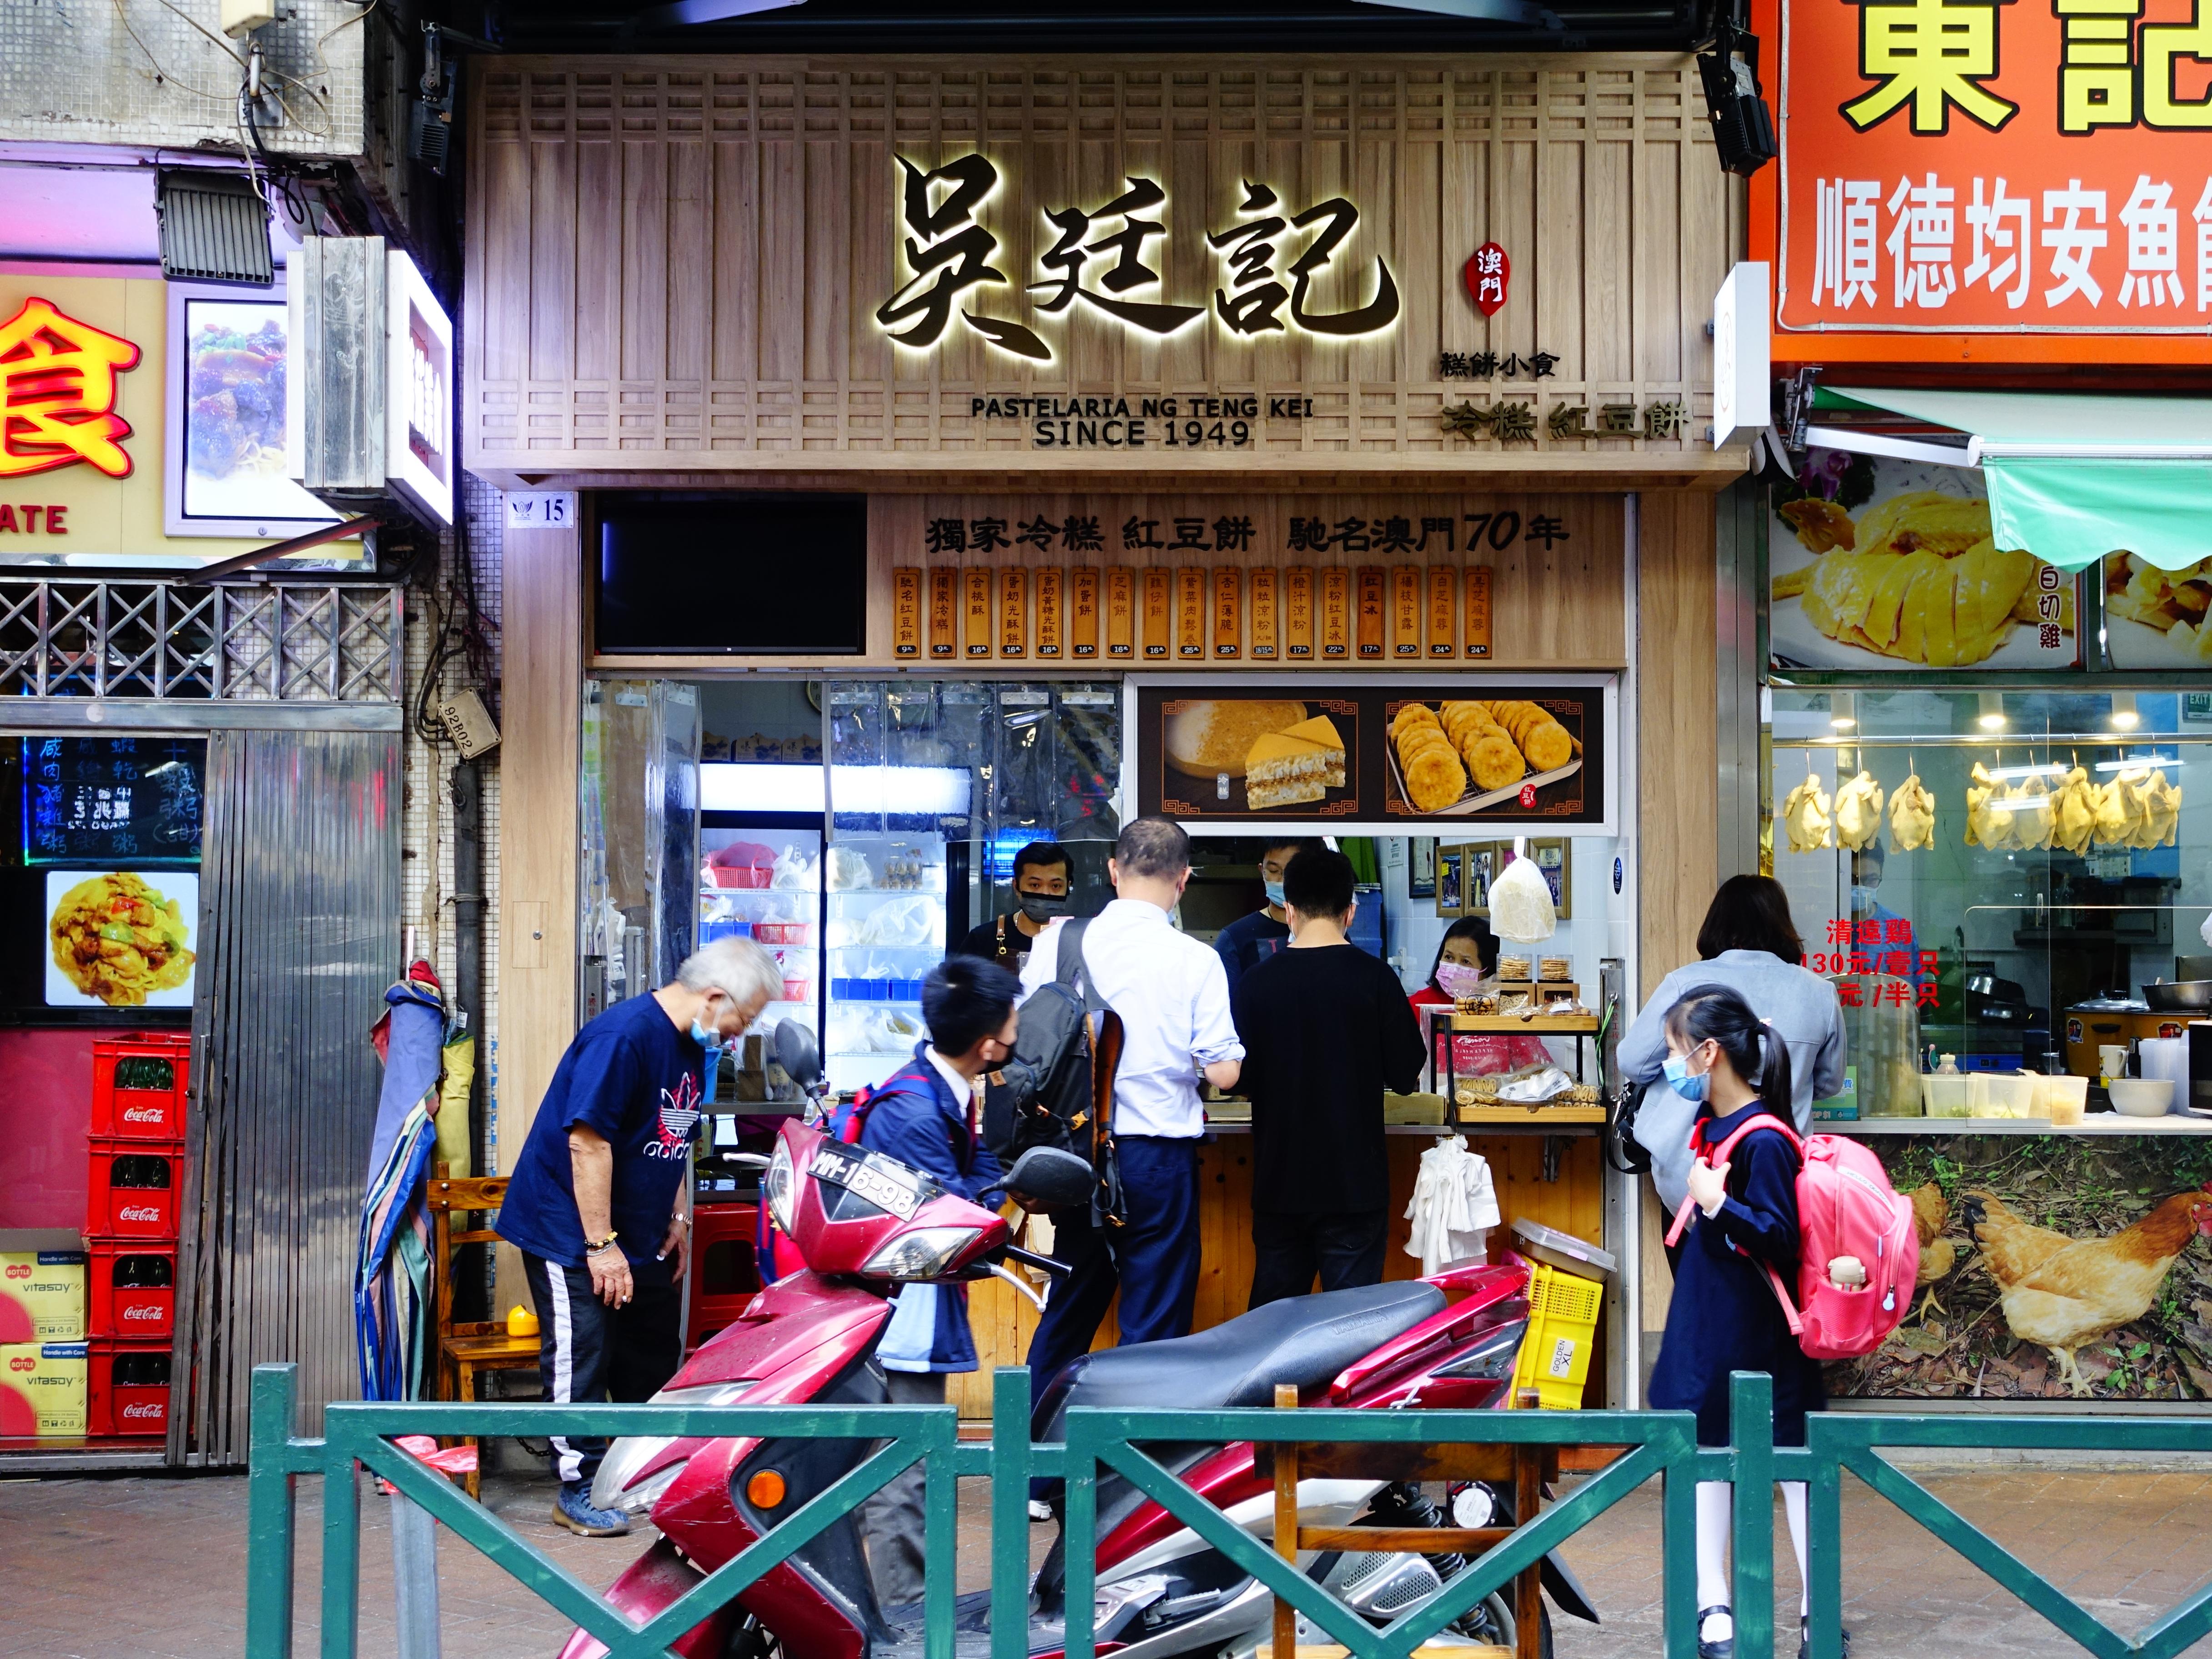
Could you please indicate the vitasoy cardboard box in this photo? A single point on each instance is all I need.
(42, 1290)
(42, 1389)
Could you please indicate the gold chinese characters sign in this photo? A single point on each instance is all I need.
(2031, 175)
(1090, 262)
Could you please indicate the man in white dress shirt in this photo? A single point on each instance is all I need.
(1172, 996)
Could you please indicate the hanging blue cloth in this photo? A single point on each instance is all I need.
(392, 1280)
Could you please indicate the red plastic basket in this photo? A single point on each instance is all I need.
(129, 1209)
(140, 1084)
(118, 1401)
(723, 1275)
(136, 1312)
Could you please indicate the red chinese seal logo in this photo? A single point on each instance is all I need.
(57, 393)
(1488, 270)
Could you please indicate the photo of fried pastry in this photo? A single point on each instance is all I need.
(1880, 563)
(1457, 756)
(122, 939)
(1257, 754)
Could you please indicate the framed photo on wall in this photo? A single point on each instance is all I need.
(1553, 863)
(1451, 861)
(1421, 866)
(1483, 864)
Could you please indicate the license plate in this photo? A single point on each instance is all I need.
(889, 1187)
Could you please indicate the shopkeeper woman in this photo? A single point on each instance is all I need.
(1467, 958)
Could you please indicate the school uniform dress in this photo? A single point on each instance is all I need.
(1724, 1316)
(923, 1116)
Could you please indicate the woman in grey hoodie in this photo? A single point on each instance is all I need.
(1748, 944)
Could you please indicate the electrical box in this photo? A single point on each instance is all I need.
(469, 725)
(239, 18)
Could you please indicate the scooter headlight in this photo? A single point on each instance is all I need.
(925, 1253)
(612, 1488)
(780, 1186)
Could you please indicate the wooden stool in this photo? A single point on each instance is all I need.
(473, 1345)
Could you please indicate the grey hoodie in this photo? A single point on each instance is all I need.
(1798, 1003)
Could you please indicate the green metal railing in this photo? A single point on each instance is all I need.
(1661, 1445)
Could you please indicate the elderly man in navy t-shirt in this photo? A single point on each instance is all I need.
(600, 1205)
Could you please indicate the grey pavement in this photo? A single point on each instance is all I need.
(147, 1568)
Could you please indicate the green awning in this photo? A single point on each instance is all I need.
(2072, 477)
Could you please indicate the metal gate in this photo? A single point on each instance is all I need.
(299, 935)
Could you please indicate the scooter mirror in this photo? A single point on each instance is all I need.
(1051, 1179)
(796, 1052)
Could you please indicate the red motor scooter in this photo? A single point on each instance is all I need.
(864, 1224)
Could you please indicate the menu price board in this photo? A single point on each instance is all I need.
(1381, 756)
(126, 801)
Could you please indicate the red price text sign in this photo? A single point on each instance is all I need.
(2017, 180)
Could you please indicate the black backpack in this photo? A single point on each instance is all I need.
(1056, 1089)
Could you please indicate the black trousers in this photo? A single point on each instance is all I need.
(588, 1351)
(1344, 1247)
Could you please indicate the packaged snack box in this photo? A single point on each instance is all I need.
(42, 1389)
(41, 1295)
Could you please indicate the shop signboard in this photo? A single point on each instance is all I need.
(1396, 757)
(113, 800)
(2157, 618)
(1878, 564)
(2052, 1267)
(146, 425)
(1989, 182)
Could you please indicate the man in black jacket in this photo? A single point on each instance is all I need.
(1326, 1029)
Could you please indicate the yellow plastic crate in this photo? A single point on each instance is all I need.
(1555, 1356)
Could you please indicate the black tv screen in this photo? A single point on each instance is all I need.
(733, 574)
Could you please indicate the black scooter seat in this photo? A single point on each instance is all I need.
(1305, 1341)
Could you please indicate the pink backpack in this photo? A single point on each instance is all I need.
(1846, 1209)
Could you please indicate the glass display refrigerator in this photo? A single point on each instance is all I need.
(760, 877)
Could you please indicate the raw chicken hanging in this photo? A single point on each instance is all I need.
(1911, 815)
(2030, 813)
(1805, 815)
(2073, 813)
(1979, 792)
(2161, 812)
(1858, 813)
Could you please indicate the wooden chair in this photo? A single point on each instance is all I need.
(1522, 1469)
(470, 1347)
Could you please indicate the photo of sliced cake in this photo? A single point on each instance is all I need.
(1288, 767)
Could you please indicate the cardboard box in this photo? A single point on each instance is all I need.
(42, 1296)
(42, 1389)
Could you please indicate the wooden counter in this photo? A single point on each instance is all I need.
(1575, 1204)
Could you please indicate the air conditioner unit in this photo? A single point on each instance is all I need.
(370, 417)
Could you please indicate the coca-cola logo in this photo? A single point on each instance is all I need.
(19, 1270)
(139, 1212)
(143, 1310)
(143, 1413)
(22, 1363)
(145, 1114)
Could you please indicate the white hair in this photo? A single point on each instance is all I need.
(737, 967)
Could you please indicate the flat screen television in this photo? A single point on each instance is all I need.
(732, 574)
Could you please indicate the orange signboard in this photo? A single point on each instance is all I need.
(1991, 180)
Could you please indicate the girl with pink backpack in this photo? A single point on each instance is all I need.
(1725, 1315)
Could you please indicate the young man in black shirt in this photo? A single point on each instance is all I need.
(1042, 872)
(1326, 1029)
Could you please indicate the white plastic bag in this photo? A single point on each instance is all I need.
(793, 869)
(849, 870)
(1521, 904)
(903, 924)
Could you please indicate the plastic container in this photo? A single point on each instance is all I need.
(140, 1084)
(741, 877)
(133, 1189)
(2000, 1094)
(784, 932)
(128, 1393)
(799, 990)
(2069, 1100)
(2141, 1097)
(1563, 1251)
(1944, 1097)
(1555, 1354)
(131, 1289)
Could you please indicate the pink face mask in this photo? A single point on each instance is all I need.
(1456, 979)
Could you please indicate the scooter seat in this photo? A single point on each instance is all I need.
(1304, 1341)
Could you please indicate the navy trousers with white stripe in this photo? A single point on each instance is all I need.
(589, 1351)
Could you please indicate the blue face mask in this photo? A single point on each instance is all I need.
(1693, 1089)
(1274, 892)
(705, 1037)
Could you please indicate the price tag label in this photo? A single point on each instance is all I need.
(905, 613)
(1265, 620)
(1158, 619)
(1050, 583)
(1477, 643)
(1406, 611)
(1120, 611)
(977, 631)
(1335, 613)
(1190, 613)
(944, 614)
(1013, 611)
(1228, 610)
(1298, 613)
(1083, 613)
(1442, 609)
(1371, 578)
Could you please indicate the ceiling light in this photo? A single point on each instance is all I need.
(1993, 714)
(1843, 711)
(2124, 716)
(709, 11)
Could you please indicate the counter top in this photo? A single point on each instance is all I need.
(2097, 1123)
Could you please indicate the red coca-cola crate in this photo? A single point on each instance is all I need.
(134, 1189)
(127, 1388)
(130, 1288)
(140, 1084)
(723, 1275)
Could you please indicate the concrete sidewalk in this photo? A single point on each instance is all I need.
(155, 1568)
